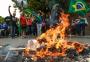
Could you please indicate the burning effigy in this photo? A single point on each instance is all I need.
(54, 43)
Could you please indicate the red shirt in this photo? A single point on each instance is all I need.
(29, 22)
(23, 20)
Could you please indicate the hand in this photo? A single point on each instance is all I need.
(9, 6)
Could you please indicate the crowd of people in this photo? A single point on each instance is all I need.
(31, 25)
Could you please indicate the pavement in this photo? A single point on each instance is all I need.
(23, 41)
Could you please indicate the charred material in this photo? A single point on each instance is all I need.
(72, 53)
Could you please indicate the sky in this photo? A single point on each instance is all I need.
(4, 8)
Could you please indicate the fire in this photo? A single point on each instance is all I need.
(65, 24)
(54, 43)
(26, 52)
(59, 30)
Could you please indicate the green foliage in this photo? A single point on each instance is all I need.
(42, 4)
(37, 4)
(1, 19)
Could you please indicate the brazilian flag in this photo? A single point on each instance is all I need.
(78, 6)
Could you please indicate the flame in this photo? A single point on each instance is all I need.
(26, 52)
(65, 24)
(54, 40)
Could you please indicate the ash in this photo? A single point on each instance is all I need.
(17, 56)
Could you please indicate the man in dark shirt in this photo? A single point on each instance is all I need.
(13, 23)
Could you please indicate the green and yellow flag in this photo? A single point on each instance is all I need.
(78, 6)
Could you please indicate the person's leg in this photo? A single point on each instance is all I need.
(33, 30)
(79, 29)
(73, 30)
(83, 30)
(38, 29)
(23, 31)
(34, 33)
(12, 29)
(44, 29)
(16, 30)
(13, 32)
(30, 28)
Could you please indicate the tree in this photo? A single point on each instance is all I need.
(1, 19)
(34, 4)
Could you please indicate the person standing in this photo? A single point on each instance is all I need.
(13, 22)
(76, 26)
(43, 22)
(23, 25)
(34, 26)
(39, 24)
(29, 25)
(83, 23)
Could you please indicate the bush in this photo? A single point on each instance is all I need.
(1, 19)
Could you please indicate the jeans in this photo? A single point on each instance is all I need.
(81, 29)
(13, 31)
(82, 32)
(34, 30)
(29, 30)
(39, 27)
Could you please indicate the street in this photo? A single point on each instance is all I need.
(23, 41)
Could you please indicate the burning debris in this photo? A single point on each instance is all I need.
(53, 44)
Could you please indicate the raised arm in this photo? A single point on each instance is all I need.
(9, 11)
